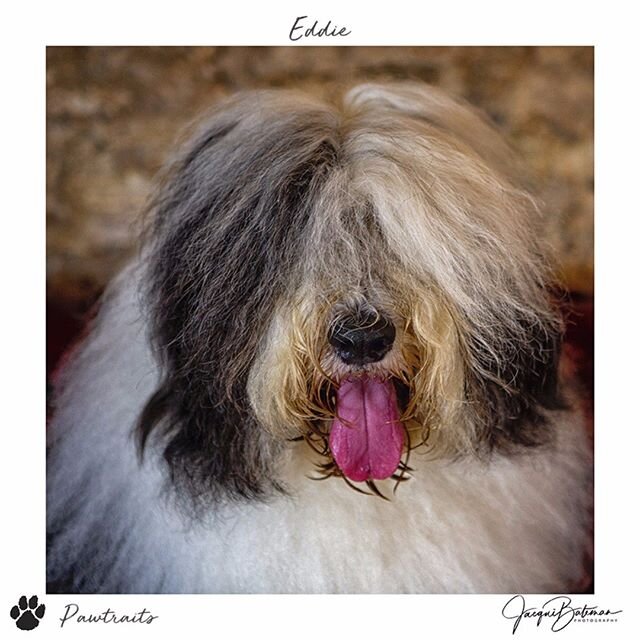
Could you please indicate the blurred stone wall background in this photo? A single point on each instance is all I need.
(113, 114)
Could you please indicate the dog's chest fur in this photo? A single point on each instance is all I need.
(511, 525)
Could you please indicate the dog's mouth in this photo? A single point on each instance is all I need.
(367, 437)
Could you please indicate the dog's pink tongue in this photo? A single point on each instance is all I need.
(367, 437)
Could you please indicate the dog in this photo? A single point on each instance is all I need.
(332, 367)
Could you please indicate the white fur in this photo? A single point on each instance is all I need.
(513, 525)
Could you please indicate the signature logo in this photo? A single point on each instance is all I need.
(558, 613)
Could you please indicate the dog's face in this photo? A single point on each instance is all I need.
(365, 277)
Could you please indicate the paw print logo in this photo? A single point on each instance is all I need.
(27, 614)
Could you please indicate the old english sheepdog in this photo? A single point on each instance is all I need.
(333, 367)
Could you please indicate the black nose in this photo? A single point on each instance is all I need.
(362, 338)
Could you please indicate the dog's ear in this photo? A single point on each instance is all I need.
(227, 229)
(513, 392)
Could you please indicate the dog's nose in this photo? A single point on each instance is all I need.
(362, 338)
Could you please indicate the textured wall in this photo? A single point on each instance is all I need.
(114, 113)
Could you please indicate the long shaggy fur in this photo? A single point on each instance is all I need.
(180, 457)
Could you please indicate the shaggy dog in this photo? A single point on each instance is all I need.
(330, 301)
